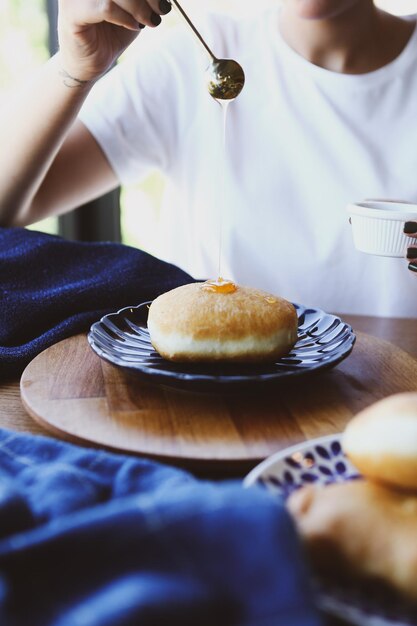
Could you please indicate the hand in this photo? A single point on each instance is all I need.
(410, 229)
(93, 33)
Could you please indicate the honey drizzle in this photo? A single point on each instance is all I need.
(222, 180)
(219, 286)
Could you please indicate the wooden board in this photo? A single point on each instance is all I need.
(76, 395)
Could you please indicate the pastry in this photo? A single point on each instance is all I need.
(381, 441)
(202, 322)
(362, 530)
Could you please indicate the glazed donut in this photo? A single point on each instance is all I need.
(381, 441)
(198, 323)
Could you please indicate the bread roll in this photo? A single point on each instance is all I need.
(381, 441)
(360, 529)
(197, 324)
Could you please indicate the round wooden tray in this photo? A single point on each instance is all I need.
(78, 396)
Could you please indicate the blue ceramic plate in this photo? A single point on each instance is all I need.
(321, 461)
(123, 339)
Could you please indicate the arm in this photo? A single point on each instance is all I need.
(52, 163)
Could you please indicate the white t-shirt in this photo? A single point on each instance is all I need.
(302, 142)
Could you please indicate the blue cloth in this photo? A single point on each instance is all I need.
(89, 538)
(51, 288)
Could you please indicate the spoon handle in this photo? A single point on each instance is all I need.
(193, 28)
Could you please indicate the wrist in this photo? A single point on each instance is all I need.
(73, 82)
(75, 75)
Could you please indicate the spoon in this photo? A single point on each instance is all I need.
(225, 76)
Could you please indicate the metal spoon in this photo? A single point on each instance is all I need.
(225, 76)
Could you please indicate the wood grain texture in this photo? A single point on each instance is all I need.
(12, 413)
(74, 394)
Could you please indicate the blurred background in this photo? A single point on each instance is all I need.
(25, 42)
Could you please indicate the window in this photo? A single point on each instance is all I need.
(23, 47)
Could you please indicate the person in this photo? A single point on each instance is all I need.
(326, 117)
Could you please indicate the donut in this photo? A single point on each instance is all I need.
(212, 322)
(381, 441)
(359, 529)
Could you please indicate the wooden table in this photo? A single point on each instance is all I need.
(400, 332)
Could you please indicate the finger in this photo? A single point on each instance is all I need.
(161, 7)
(412, 253)
(113, 14)
(84, 14)
(146, 12)
(164, 7)
(410, 228)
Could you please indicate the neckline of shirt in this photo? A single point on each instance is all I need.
(407, 57)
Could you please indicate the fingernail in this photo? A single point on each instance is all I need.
(410, 228)
(164, 6)
(156, 20)
(411, 253)
(141, 25)
(412, 267)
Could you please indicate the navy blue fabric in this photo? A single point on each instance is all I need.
(89, 538)
(51, 288)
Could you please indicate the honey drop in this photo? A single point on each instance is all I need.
(219, 286)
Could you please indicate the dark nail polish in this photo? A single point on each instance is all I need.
(410, 228)
(164, 6)
(412, 267)
(411, 253)
(156, 20)
(141, 26)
